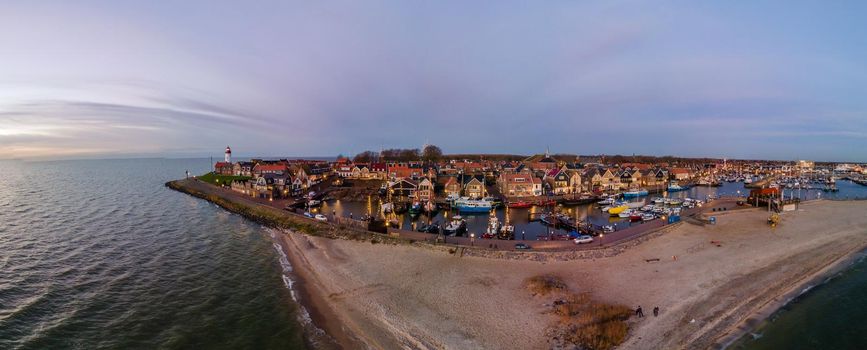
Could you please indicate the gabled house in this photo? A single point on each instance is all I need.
(452, 187)
(610, 180)
(360, 171)
(474, 187)
(243, 169)
(559, 183)
(404, 188)
(425, 191)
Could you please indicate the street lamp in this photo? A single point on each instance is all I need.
(472, 239)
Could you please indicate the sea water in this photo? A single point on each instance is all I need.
(98, 254)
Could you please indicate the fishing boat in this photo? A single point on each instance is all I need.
(507, 232)
(658, 200)
(647, 217)
(493, 227)
(614, 211)
(456, 227)
(673, 187)
(635, 193)
(466, 205)
(636, 216)
(625, 214)
(519, 204)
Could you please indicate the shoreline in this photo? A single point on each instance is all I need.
(761, 316)
(311, 298)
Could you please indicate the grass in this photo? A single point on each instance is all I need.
(219, 180)
(581, 321)
(544, 284)
(593, 325)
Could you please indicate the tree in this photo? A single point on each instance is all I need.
(431, 153)
(364, 157)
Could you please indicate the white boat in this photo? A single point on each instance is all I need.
(625, 214)
(635, 205)
(473, 205)
(658, 200)
(493, 227)
(606, 201)
(647, 217)
(605, 209)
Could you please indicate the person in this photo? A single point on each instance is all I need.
(656, 311)
(638, 312)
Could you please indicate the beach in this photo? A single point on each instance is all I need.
(710, 282)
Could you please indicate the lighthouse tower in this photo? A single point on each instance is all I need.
(228, 154)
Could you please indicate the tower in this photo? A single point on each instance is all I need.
(228, 154)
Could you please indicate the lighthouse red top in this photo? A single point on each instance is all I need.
(228, 150)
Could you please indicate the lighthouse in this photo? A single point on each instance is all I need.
(228, 154)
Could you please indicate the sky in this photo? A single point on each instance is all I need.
(734, 79)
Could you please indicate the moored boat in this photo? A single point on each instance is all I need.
(466, 205)
(519, 204)
(617, 210)
(635, 193)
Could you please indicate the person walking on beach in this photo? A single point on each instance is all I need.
(639, 312)
(656, 311)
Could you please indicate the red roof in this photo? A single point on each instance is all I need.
(270, 167)
(222, 164)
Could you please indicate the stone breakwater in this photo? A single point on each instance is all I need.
(280, 219)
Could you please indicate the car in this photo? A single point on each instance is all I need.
(608, 229)
(583, 239)
(320, 217)
(522, 246)
(307, 214)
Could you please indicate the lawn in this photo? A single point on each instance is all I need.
(221, 179)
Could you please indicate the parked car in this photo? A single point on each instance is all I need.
(583, 239)
(608, 228)
(320, 217)
(307, 214)
(522, 246)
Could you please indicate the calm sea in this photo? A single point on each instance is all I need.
(100, 255)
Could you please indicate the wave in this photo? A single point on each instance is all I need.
(304, 318)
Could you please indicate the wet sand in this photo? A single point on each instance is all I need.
(393, 296)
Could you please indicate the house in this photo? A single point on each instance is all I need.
(654, 177)
(452, 187)
(243, 186)
(560, 183)
(680, 173)
(575, 185)
(223, 168)
(262, 169)
(268, 186)
(378, 171)
(630, 178)
(360, 171)
(397, 171)
(243, 169)
(610, 180)
(519, 185)
(425, 191)
(592, 179)
(474, 187)
(344, 169)
(404, 188)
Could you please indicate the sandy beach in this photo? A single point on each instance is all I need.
(725, 276)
